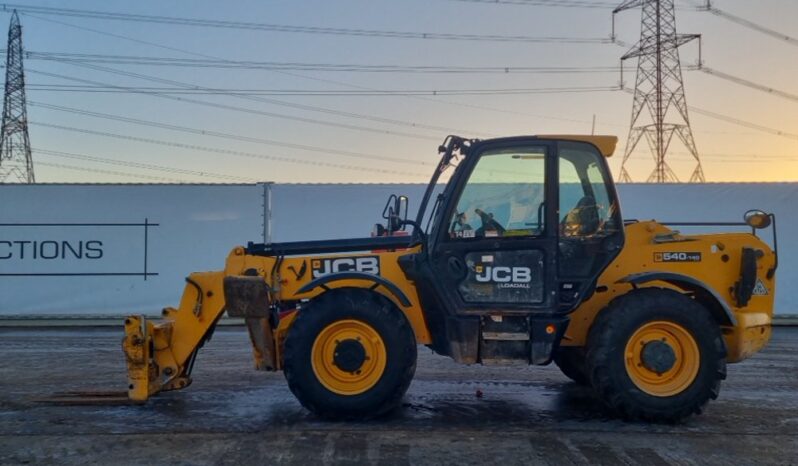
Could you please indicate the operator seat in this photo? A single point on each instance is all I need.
(583, 219)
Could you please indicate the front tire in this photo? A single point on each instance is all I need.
(657, 355)
(350, 354)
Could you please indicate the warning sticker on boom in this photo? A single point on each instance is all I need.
(760, 289)
(677, 257)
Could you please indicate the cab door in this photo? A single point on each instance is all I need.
(590, 224)
(496, 247)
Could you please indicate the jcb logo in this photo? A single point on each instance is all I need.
(487, 274)
(368, 264)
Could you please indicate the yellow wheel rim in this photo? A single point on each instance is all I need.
(348, 377)
(683, 352)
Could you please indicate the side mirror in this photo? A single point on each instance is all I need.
(395, 212)
(757, 219)
(401, 211)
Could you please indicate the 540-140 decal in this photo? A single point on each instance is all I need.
(677, 257)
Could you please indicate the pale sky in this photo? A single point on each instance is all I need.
(393, 138)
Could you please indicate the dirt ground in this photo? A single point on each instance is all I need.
(235, 415)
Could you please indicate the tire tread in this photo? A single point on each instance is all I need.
(326, 306)
(603, 344)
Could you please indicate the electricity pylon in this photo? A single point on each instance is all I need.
(659, 89)
(16, 163)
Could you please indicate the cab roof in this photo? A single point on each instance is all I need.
(605, 144)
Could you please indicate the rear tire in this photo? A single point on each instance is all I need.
(350, 354)
(571, 361)
(657, 355)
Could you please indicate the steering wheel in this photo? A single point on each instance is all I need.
(488, 223)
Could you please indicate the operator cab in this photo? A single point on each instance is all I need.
(518, 237)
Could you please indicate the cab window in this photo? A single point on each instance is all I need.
(504, 195)
(585, 206)
(588, 216)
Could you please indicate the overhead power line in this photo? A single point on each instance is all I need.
(469, 105)
(724, 161)
(725, 118)
(324, 67)
(314, 78)
(749, 84)
(550, 3)
(737, 121)
(313, 108)
(707, 6)
(724, 156)
(317, 93)
(744, 123)
(271, 101)
(372, 118)
(229, 136)
(235, 153)
(109, 172)
(294, 105)
(146, 166)
(268, 27)
(247, 110)
(750, 157)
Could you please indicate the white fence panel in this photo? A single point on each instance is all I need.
(116, 249)
(81, 249)
(303, 212)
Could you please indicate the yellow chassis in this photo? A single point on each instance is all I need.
(160, 354)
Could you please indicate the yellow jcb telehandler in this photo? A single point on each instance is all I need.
(523, 257)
